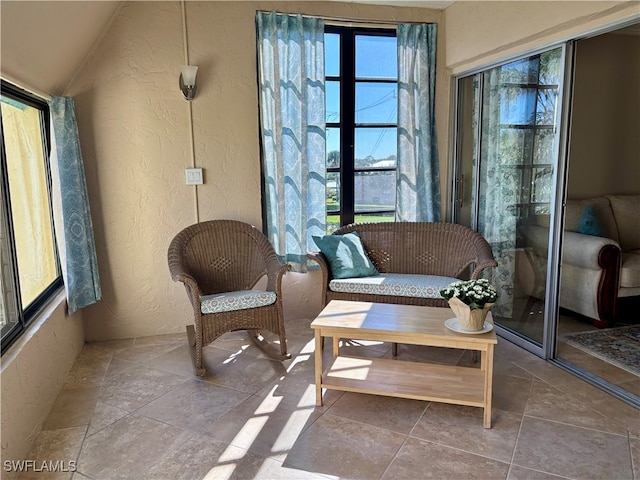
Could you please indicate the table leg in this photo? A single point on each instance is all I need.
(487, 366)
(336, 346)
(318, 364)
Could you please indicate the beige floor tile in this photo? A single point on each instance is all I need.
(594, 365)
(521, 473)
(462, 428)
(341, 447)
(299, 327)
(252, 417)
(202, 457)
(296, 384)
(419, 459)
(129, 386)
(73, 407)
(239, 342)
(195, 405)
(395, 414)
(177, 360)
(90, 367)
(54, 448)
(268, 426)
(274, 470)
(572, 452)
(144, 353)
(240, 371)
(635, 455)
(603, 403)
(507, 351)
(79, 476)
(510, 393)
(104, 415)
(111, 345)
(506, 367)
(170, 338)
(128, 448)
(550, 403)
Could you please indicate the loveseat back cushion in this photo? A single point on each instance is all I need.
(394, 284)
(418, 247)
(626, 209)
(601, 213)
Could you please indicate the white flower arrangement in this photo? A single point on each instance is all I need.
(475, 293)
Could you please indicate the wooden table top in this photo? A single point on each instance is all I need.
(376, 318)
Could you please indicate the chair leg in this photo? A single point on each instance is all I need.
(195, 348)
(267, 348)
(474, 356)
(394, 349)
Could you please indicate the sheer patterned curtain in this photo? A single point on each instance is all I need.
(499, 192)
(418, 184)
(77, 248)
(292, 116)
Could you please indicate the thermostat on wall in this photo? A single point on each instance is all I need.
(194, 176)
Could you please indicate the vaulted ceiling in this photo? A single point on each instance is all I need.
(57, 36)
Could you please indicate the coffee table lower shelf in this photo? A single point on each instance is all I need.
(397, 378)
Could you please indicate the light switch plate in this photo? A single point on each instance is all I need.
(193, 176)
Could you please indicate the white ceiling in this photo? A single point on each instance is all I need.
(55, 37)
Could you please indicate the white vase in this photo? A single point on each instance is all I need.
(468, 319)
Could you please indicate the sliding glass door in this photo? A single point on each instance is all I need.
(507, 151)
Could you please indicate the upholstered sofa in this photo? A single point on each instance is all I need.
(413, 260)
(600, 255)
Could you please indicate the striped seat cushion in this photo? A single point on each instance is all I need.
(230, 301)
(395, 284)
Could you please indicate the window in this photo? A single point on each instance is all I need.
(528, 126)
(30, 266)
(361, 70)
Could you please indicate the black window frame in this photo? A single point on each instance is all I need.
(13, 329)
(347, 124)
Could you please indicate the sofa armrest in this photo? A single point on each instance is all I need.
(584, 250)
(597, 254)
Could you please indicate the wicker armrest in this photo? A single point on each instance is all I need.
(275, 271)
(321, 260)
(484, 259)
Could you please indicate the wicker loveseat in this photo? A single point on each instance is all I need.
(414, 260)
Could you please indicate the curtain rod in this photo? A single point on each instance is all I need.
(347, 22)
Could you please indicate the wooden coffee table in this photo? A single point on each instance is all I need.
(397, 378)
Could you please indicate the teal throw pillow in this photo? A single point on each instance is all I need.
(588, 223)
(346, 255)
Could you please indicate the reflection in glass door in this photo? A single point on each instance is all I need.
(507, 151)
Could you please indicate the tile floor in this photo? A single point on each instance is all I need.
(132, 409)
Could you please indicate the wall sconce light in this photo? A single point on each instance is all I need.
(188, 81)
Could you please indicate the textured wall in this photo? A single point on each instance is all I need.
(480, 33)
(134, 126)
(606, 115)
(33, 372)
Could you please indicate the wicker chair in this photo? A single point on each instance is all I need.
(220, 262)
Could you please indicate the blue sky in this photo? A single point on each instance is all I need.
(376, 58)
